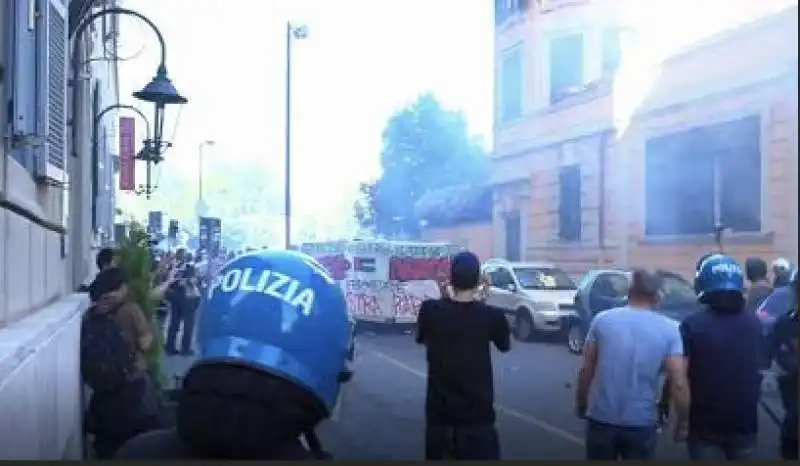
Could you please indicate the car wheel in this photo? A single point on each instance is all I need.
(575, 338)
(523, 325)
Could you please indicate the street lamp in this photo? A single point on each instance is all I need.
(95, 152)
(146, 189)
(293, 32)
(200, 208)
(159, 91)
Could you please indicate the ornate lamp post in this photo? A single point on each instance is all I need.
(159, 91)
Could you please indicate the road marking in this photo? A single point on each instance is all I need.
(500, 408)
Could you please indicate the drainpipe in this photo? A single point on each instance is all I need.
(605, 137)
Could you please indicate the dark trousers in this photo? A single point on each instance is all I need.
(610, 442)
(479, 442)
(181, 316)
(721, 447)
(789, 433)
(116, 417)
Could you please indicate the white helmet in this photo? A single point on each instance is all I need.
(782, 265)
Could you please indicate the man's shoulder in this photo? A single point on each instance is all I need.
(611, 316)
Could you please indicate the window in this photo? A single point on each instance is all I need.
(513, 231)
(500, 278)
(569, 207)
(505, 9)
(609, 290)
(611, 285)
(511, 85)
(612, 50)
(543, 278)
(22, 96)
(706, 176)
(676, 292)
(566, 66)
(38, 98)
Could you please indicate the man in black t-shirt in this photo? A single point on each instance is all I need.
(457, 332)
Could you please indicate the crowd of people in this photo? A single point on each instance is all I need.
(713, 363)
(273, 361)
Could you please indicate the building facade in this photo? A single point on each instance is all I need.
(45, 233)
(584, 177)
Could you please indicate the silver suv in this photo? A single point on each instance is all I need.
(536, 296)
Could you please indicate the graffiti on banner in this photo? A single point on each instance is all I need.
(385, 249)
(409, 296)
(364, 296)
(381, 279)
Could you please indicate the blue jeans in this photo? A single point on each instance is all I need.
(610, 442)
(727, 447)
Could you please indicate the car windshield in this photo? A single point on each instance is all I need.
(678, 297)
(543, 278)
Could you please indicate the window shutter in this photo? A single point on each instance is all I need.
(23, 125)
(53, 48)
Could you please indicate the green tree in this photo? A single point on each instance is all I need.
(425, 147)
(135, 259)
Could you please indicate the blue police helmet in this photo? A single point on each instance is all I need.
(279, 311)
(719, 273)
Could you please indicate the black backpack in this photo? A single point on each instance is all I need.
(107, 360)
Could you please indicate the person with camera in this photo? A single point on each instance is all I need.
(183, 296)
(457, 331)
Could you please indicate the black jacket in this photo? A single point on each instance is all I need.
(165, 444)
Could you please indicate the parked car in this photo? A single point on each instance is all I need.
(535, 296)
(603, 289)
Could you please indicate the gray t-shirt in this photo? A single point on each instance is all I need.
(632, 345)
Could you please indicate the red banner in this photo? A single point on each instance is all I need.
(127, 154)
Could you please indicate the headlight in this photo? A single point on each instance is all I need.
(545, 306)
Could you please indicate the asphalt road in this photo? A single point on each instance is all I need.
(383, 418)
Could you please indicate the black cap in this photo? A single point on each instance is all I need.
(465, 271)
(755, 268)
(107, 281)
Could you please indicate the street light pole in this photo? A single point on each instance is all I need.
(299, 33)
(200, 201)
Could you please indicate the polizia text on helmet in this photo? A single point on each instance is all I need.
(726, 269)
(267, 282)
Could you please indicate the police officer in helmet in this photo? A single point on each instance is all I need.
(722, 346)
(783, 349)
(274, 337)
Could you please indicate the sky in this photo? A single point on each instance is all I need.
(362, 61)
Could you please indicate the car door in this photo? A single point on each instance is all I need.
(502, 287)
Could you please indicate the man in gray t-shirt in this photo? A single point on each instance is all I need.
(627, 353)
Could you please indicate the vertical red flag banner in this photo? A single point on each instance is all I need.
(127, 154)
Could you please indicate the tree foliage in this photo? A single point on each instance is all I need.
(425, 147)
(247, 198)
(135, 259)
